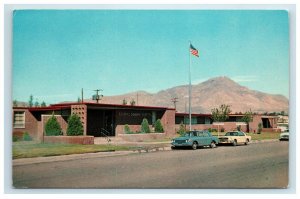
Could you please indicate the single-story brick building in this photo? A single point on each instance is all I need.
(109, 119)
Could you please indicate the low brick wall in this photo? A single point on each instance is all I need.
(141, 137)
(69, 139)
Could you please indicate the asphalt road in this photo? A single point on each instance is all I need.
(261, 165)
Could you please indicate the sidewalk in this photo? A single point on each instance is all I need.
(142, 147)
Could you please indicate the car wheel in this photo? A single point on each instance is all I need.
(173, 147)
(234, 143)
(247, 142)
(213, 145)
(194, 146)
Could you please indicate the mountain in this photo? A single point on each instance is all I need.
(206, 96)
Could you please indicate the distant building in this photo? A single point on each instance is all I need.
(109, 119)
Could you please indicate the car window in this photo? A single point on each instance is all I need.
(200, 134)
(241, 134)
(205, 134)
(195, 133)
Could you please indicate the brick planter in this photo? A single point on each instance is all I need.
(69, 139)
(142, 137)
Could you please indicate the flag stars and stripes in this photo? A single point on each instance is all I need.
(194, 51)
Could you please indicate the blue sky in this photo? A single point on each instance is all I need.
(58, 52)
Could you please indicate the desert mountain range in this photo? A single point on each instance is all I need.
(206, 96)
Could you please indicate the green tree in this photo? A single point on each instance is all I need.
(221, 114)
(145, 126)
(52, 127)
(158, 126)
(36, 104)
(247, 118)
(78, 100)
(30, 102)
(15, 103)
(132, 102)
(124, 102)
(181, 130)
(75, 126)
(43, 104)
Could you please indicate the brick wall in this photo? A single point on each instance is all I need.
(168, 122)
(142, 137)
(31, 125)
(81, 111)
(69, 139)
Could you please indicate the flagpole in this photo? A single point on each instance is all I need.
(190, 90)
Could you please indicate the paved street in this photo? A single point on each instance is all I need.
(261, 165)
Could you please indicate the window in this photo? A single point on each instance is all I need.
(241, 134)
(19, 119)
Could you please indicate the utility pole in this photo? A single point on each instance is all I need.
(97, 97)
(175, 100)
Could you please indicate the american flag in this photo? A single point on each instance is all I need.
(193, 50)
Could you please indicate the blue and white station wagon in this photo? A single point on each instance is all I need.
(195, 139)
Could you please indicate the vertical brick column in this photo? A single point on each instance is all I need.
(168, 122)
(81, 111)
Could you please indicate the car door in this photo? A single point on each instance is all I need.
(241, 137)
(206, 139)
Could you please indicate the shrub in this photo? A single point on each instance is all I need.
(15, 138)
(222, 129)
(145, 126)
(52, 127)
(127, 129)
(212, 130)
(259, 128)
(181, 130)
(26, 136)
(239, 127)
(158, 126)
(75, 126)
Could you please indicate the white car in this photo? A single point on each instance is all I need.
(235, 138)
(284, 135)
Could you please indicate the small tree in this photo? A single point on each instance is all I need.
(158, 126)
(15, 103)
(26, 136)
(75, 126)
(247, 118)
(78, 100)
(145, 126)
(239, 127)
(43, 104)
(52, 127)
(259, 128)
(124, 102)
(132, 102)
(127, 129)
(36, 104)
(181, 130)
(30, 102)
(221, 114)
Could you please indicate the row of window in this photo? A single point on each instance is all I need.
(19, 119)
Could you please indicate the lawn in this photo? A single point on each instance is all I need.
(255, 136)
(31, 149)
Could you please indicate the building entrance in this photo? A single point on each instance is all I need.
(100, 123)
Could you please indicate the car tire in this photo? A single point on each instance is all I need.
(213, 145)
(234, 143)
(247, 142)
(194, 145)
(173, 147)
